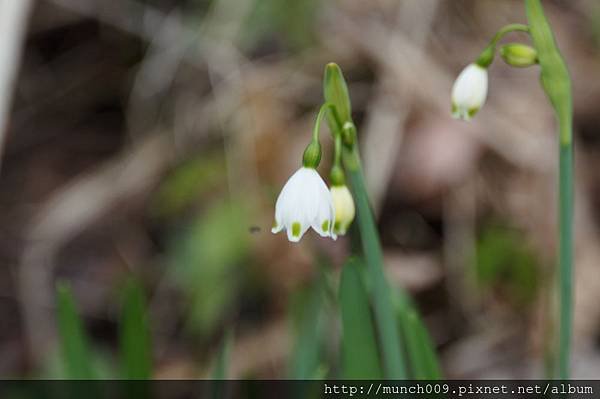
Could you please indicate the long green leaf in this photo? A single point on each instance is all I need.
(423, 360)
(136, 354)
(395, 364)
(74, 347)
(360, 358)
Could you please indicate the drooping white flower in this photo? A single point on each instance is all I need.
(344, 208)
(469, 92)
(304, 202)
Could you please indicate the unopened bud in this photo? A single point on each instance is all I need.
(518, 55)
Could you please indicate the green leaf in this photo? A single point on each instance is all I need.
(335, 92)
(136, 357)
(306, 312)
(74, 347)
(387, 329)
(421, 353)
(360, 359)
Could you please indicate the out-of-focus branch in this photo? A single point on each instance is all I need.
(13, 23)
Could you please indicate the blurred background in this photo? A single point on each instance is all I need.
(149, 139)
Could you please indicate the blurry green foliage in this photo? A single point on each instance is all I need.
(206, 262)
(221, 367)
(136, 357)
(54, 365)
(189, 181)
(306, 311)
(76, 358)
(504, 262)
(290, 21)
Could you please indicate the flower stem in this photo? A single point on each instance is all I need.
(557, 85)
(385, 319)
(565, 275)
(487, 55)
(324, 108)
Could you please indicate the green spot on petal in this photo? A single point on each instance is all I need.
(473, 111)
(296, 229)
(325, 225)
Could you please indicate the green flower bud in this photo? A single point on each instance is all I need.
(518, 55)
(335, 91)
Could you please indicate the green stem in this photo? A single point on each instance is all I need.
(324, 108)
(387, 328)
(507, 29)
(337, 155)
(557, 85)
(487, 55)
(565, 275)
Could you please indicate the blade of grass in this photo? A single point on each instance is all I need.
(360, 359)
(74, 346)
(136, 357)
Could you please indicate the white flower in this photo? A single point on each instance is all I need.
(304, 202)
(344, 208)
(469, 92)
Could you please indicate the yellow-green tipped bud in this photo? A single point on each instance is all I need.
(344, 209)
(518, 55)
